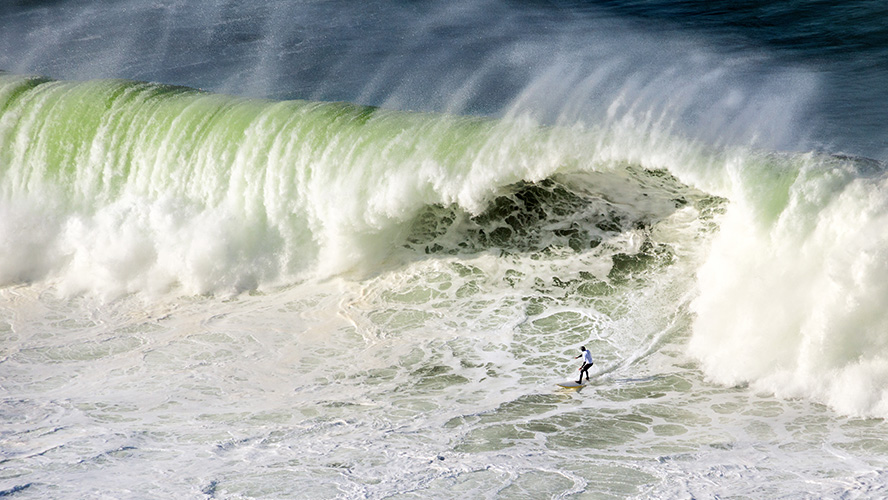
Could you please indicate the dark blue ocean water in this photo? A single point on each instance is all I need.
(800, 75)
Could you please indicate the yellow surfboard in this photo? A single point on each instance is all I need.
(570, 384)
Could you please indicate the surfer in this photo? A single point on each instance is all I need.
(587, 363)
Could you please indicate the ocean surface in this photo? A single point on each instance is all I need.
(326, 249)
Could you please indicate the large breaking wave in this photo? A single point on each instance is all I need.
(140, 186)
(116, 186)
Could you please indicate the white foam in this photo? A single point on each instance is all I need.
(792, 293)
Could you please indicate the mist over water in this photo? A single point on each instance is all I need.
(310, 249)
(561, 63)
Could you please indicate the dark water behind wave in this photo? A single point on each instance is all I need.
(845, 42)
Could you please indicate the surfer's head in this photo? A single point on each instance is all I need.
(583, 348)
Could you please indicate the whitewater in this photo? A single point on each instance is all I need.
(306, 250)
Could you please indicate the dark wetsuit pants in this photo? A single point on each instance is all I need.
(584, 369)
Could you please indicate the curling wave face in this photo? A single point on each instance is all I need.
(143, 187)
